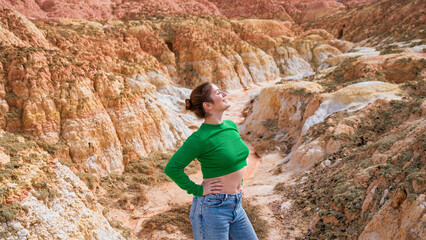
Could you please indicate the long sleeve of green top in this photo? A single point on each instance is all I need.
(189, 150)
(219, 149)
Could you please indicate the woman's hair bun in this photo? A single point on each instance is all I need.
(188, 105)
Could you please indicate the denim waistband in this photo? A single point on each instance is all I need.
(226, 195)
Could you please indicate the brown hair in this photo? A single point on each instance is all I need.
(200, 94)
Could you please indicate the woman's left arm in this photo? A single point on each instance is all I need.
(190, 150)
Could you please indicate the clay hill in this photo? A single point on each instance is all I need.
(92, 107)
(381, 21)
(297, 10)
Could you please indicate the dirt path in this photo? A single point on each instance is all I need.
(259, 176)
(275, 210)
(258, 188)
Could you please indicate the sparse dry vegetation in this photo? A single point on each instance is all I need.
(8, 211)
(125, 232)
(261, 226)
(128, 190)
(336, 194)
(177, 217)
(15, 147)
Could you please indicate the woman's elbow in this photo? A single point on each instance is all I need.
(168, 170)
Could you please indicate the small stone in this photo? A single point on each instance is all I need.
(385, 194)
(23, 233)
(15, 225)
(12, 185)
(4, 158)
(338, 160)
(327, 163)
(285, 206)
(285, 160)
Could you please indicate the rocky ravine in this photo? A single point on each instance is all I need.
(354, 144)
(380, 21)
(107, 78)
(341, 136)
(102, 97)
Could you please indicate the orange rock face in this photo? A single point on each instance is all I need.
(295, 10)
(209, 50)
(279, 126)
(84, 90)
(94, 9)
(397, 68)
(105, 78)
(305, 10)
(266, 9)
(389, 20)
(404, 222)
(355, 3)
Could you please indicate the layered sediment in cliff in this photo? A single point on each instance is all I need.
(207, 49)
(298, 11)
(295, 55)
(306, 10)
(278, 126)
(103, 97)
(110, 79)
(79, 85)
(382, 21)
(116, 9)
(39, 194)
(261, 9)
(354, 3)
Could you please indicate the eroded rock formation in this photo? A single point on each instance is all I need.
(48, 193)
(93, 9)
(358, 129)
(107, 79)
(305, 10)
(101, 93)
(265, 9)
(381, 21)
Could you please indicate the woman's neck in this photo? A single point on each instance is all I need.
(214, 118)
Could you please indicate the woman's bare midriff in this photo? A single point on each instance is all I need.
(231, 182)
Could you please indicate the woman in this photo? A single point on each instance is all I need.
(216, 211)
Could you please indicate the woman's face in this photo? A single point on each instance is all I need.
(220, 103)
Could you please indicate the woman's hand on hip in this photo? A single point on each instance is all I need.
(214, 186)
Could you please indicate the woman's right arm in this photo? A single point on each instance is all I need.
(189, 150)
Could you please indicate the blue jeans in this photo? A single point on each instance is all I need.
(220, 217)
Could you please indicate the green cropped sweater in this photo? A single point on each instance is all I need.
(219, 149)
